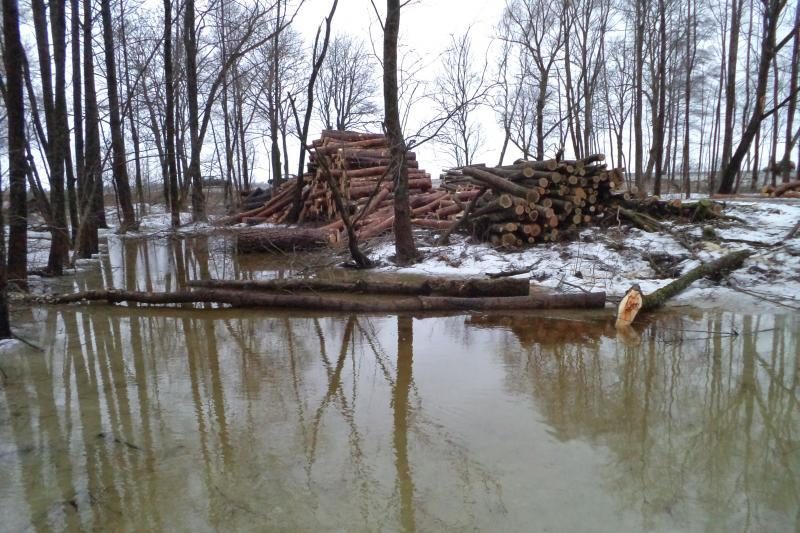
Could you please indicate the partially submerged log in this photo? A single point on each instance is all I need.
(283, 239)
(464, 288)
(718, 267)
(316, 302)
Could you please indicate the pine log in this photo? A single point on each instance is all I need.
(315, 302)
(282, 239)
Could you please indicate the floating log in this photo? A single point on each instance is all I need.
(317, 302)
(464, 288)
(718, 267)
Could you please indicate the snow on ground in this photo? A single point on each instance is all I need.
(613, 259)
(609, 260)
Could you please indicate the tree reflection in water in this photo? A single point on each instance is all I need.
(702, 416)
(241, 420)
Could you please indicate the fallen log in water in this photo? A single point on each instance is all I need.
(283, 239)
(464, 288)
(718, 267)
(316, 302)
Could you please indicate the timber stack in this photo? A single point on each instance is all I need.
(358, 164)
(535, 201)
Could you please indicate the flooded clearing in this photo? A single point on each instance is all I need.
(230, 419)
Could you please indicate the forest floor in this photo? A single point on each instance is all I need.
(602, 259)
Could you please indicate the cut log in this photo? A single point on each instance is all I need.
(282, 239)
(629, 307)
(464, 288)
(782, 189)
(316, 302)
(502, 184)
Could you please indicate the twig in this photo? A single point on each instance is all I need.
(29, 343)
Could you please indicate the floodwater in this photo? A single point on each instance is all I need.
(249, 420)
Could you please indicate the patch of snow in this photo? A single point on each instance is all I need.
(614, 259)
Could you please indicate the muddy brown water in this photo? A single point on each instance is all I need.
(248, 420)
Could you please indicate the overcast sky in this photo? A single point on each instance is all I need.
(425, 29)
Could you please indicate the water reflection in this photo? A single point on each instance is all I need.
(702, 416)
(138, 419)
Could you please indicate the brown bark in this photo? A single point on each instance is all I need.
(17, 165)
(313, 302)
(169, 137)
(502, 184)
(782, 189)
(77, 125)
(405, 249)
(770, 21)
(194, 178)
(258, 240)
(464, 288)
(119, 154)
(717, 267)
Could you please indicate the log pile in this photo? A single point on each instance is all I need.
(535, 201)
(359, 165)
(789, 189)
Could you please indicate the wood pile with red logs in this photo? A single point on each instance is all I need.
(508, 206)
(359, 165)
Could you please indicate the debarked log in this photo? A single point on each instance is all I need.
(464, 288)
(317, 302)
(283, 239)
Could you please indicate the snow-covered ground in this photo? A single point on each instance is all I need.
(613, 259)
(609, 260)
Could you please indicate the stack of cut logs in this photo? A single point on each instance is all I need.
(359, 164)
(510, 206)
(535, 201)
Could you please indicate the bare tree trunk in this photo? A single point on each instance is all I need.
(691, 54)
(77, 122)
(658, 127)
(119, 155)
(195, 176)
(132, 108)
(91, 200)
(768, 52)
(730, 87)
(55, 105)
(638, 105)
(17, 166)
(169, 137)
(793, 87)
(405, 250)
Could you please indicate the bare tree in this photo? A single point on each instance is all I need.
(317, 59)
(15, 108)
(460, 89)
(772, 10)
(120, 156)
(405, 249)
(346, 88)
(537, 27)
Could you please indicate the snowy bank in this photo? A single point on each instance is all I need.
(613, 259)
